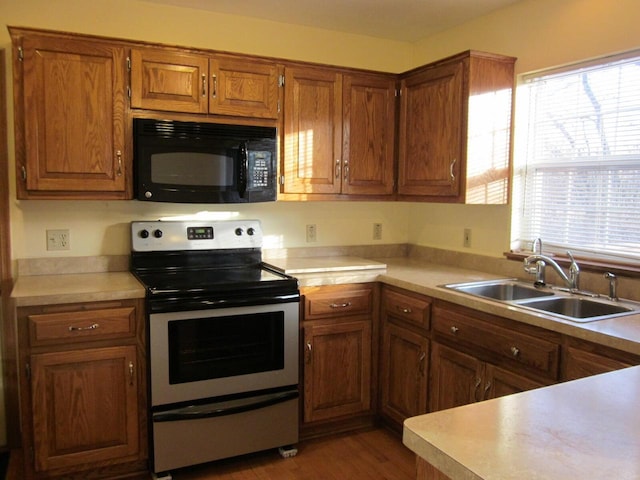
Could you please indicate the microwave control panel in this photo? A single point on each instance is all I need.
(259, 167)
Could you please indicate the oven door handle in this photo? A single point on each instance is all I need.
(220, 409)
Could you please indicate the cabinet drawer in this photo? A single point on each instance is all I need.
(415, 311)
(338, 301)
(51, 328)
(532, 353)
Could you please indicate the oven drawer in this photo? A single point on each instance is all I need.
(338, 301)
(81, 326)
(180, 443)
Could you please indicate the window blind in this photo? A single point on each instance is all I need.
(577, 176)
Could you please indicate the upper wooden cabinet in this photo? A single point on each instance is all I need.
(164, 79)
(72, 131)
(455, 130)
(338, 132)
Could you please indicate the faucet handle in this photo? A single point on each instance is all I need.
(574, 272)
(613, 285)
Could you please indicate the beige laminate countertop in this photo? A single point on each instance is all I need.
(415, 275)
(33, 290)
(584, 429)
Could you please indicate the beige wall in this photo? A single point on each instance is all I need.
(541, 33)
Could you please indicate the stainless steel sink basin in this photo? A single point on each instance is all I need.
(577, 307)
(504, 290)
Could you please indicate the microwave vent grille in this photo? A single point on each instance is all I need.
(175, 129)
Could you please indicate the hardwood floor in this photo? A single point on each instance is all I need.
(372, 455)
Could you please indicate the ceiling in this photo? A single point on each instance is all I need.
(402, 20)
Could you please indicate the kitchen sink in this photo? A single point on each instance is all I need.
(504, 290)
(579, 307)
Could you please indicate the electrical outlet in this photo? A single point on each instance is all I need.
(466, 241)
(377, 231)
(311, 233)
(58, 240)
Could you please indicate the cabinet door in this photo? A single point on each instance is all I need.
(312, 160)
(431, 126)
(247, 88)
(337, 370)
(368, 134)
(456, 378)
(403, 373)
(580, 363)
(499, 382)
(85, 407)
(74, 117)
(168, 80)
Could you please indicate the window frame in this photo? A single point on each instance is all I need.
(520, 248)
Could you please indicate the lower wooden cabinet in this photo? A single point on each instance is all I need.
(337, 357)
(583, 359)
(404, 356)
(84, 407)
(477, 356)
(83, 396)
(459, 379)
(337, 369)
(404, 373)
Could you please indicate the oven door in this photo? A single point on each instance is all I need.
(204, 354)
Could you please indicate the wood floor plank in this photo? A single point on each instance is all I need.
(374, 454)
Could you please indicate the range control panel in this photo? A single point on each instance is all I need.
(195, 235)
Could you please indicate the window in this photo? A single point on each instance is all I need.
(577, 172)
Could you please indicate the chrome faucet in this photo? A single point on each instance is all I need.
(536, 263)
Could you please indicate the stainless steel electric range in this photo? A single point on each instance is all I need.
(223, 341)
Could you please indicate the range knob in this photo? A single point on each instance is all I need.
(239, 231)
(250, 231)
(144, 233)
(157, 233)
(148, 194)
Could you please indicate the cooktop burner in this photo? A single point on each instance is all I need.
(207, 262)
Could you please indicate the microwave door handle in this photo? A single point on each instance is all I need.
(244, 167)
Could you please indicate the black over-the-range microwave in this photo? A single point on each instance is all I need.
(196, 162)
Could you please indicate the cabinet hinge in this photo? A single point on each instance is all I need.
(278, 106)
(129, 92)
(398, 92)
(281, 179)
(20, 54)
(128, 64)
(27, 371)
(281, 81)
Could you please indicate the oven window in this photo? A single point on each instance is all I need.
(216, 347)
(193, 168)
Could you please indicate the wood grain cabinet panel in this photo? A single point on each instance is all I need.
(71, 117)
(181, 81)
(85, 407)
(339, 133)
(312, 130)
(404, 356)
(338, 356)
(247, 88)
(168, 80)
(404, 373)
(450, 149)
(337, 370)
(83, 398)
(368, 135)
